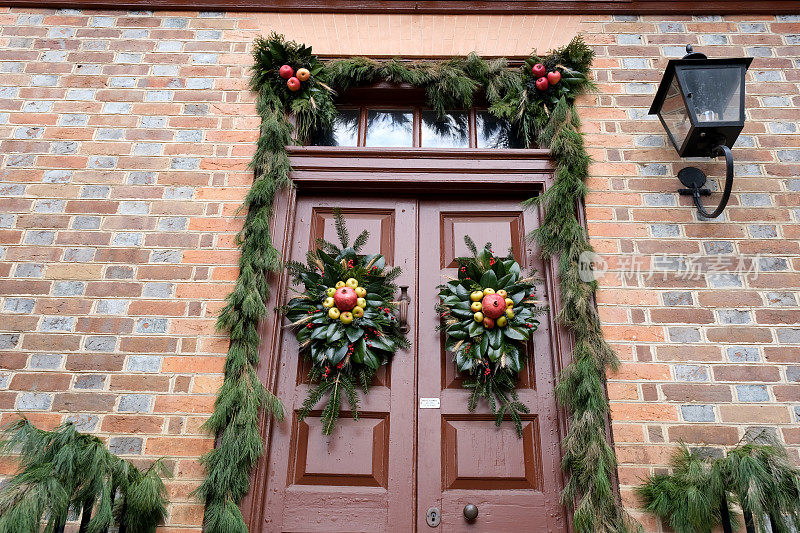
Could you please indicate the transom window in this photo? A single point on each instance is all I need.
(418, 127)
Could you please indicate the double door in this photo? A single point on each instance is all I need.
(416, 451)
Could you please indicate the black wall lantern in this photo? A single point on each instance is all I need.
(700, 103)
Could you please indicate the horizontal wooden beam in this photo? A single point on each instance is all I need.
(453, 7)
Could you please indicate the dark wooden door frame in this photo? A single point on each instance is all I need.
(415, 172)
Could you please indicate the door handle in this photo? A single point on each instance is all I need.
(470, 512)
(402, 308)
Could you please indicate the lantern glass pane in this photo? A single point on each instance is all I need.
(674, 114)
(715, 93)
(451, 131)
(390, 128)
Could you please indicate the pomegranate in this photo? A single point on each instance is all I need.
(345, 298)
(493, 306)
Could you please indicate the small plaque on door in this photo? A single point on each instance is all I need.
(429, 403)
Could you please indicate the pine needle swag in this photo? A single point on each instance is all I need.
(344, 321)
(63, 470)
(488, 317)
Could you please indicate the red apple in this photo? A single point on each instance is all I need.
(538, 70)
(554, 77)
(542, 84)
(293, 84)
(494, 306)
(286, 72)
(488, 323)
(346, 297)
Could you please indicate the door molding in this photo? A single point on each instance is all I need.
(419, 172)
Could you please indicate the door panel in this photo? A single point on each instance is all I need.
(463, 457)
(359, 478)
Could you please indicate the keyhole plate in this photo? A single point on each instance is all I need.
(433, 516)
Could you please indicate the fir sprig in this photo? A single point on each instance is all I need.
(700, 492)
(64, 469)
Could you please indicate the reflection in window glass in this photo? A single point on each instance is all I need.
(390, 128)
(495, 133)
(344, 131)
(452, 131)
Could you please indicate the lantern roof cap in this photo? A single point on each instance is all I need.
(666, 80)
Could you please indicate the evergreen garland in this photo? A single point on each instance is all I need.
(544, 117)
(63, 470)
(699, 493)
(344, 320)
(487, 316)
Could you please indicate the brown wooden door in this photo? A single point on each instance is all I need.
(463, 457)
(361, 477)
(382, 472)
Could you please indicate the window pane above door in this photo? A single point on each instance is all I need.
(493, 132)
(390, 128)
(344, 131)
(451, 131)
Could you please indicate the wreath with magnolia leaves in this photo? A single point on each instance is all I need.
(344, 320)
(488, 317)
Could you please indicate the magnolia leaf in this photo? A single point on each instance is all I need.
(458, 334)
(516, 334)
(331, 330)
(339, 353)
(353, 333)
(495, 337)
(462, 292)
(503, 282)
(484, 344)
(489, 279)
(371, 360)
(474, 329)
(359, 349)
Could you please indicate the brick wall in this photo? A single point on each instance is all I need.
(704, 314)
(124, 142)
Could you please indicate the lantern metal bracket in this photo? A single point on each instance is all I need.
(694, 179)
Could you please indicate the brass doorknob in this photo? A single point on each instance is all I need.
(470, 512)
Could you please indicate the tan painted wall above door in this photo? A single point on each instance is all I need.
(422, 35)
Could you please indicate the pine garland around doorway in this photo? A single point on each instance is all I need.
(541, 114)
